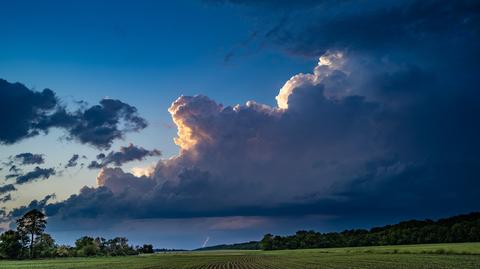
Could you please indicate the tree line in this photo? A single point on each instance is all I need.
(462, 228)
(29, 241)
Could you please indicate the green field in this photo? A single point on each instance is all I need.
(463, 255)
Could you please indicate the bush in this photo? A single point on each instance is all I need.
(88, 250)
(63, 251)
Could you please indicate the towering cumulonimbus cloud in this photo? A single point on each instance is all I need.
(272, 155)
(25, 113)
(333, 144)
(383, 124)
(327, 73)
(266, 147)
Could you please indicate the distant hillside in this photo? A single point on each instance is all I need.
(252, 245)
(461, 228)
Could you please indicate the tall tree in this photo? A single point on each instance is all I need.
(33, 224)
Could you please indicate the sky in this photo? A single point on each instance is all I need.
(170, 122)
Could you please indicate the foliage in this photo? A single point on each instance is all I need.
(44, 246)
(146, 248)
(10, 246)
(118, 246)
(267, 242)
(64, 251)
(462, 228)
(86, 246)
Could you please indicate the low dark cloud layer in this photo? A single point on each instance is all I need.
(37, 173)
(385, 124)
(124, 155)
(25, 113)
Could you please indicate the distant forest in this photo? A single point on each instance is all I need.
(461, 228)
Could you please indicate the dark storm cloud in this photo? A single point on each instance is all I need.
(124, 155)
(7, 188)
(37, 173)
(94, 165)
(389, 114)
(389, 25)
(98, 125)
(325, 150)
(72, 162)
(29, 158)
(35, 204)
(25, 113)
(20, 109)
(242, 151)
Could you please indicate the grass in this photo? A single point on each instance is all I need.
(464, 255)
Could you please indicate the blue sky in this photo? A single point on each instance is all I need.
(387, 114)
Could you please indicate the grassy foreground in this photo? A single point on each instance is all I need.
(463, 255)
